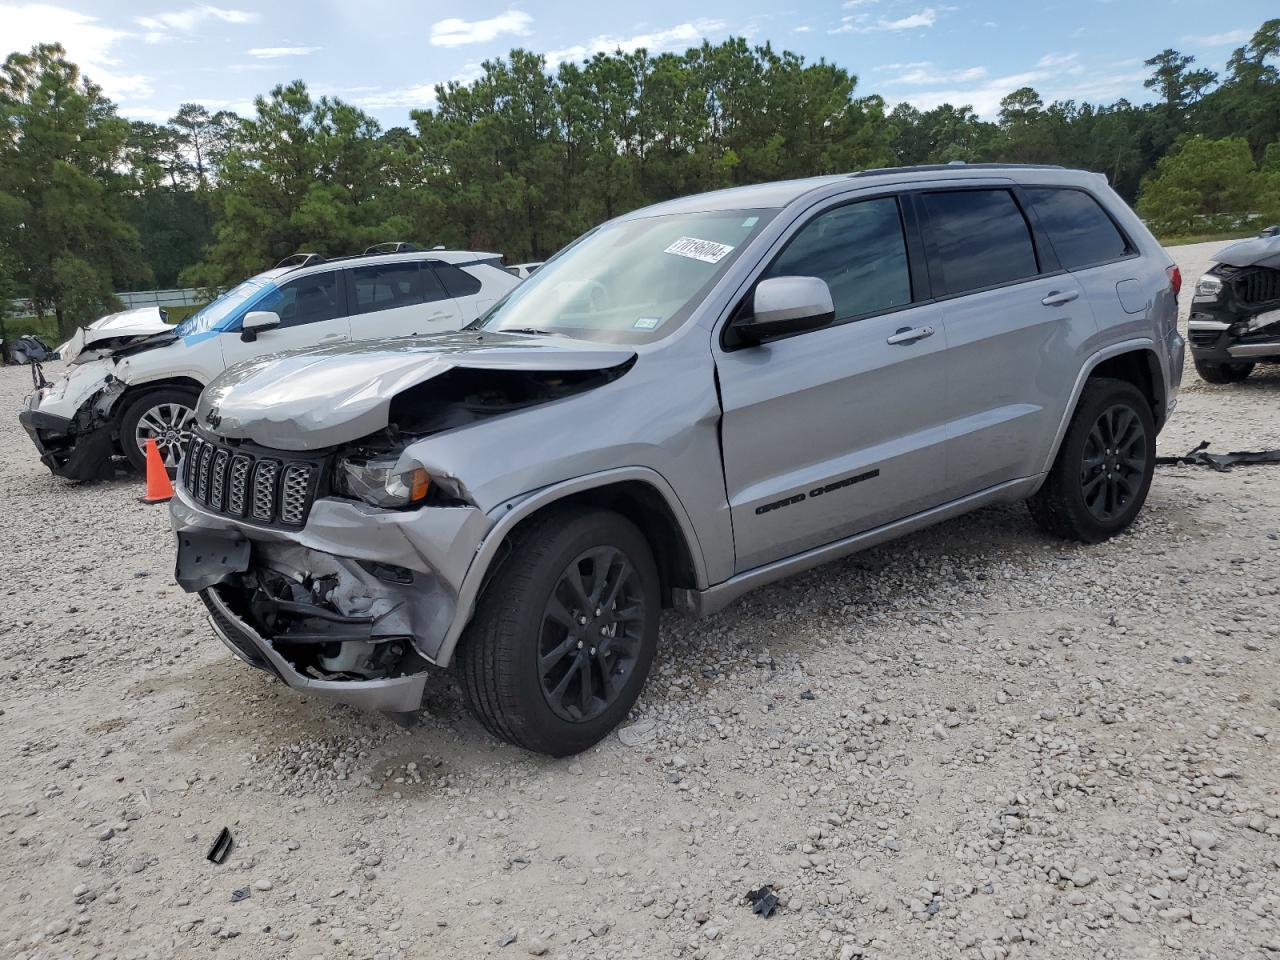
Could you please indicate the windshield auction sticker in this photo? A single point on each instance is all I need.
(708, 251)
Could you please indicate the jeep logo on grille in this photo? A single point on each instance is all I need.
(213, 418)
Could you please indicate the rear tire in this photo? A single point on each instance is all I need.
(1212, 372)
(165, 415)
(564, 635)
(1103, 470)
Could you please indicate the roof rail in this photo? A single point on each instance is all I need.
(390, 246)
(299, 260)
(927, 167)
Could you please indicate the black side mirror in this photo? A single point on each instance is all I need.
(783, 307)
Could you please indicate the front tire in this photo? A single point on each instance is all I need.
(164, 415)
(1101, 476)
(1212, 372)
(564, 635)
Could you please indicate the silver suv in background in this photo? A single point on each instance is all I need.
(687, 402)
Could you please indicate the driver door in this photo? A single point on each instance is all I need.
(838, 430)
(312, 312)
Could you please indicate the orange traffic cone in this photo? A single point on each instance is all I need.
(159, 488)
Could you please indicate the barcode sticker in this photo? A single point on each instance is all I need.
(708, 251)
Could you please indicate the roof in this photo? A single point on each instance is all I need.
(778, 195)
(458, 257)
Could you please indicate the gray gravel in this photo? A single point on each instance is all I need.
(977, 742)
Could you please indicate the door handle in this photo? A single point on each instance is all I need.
(1057, 298)
(909, 335)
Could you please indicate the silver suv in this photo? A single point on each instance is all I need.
(687, 402)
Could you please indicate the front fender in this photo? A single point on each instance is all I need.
(508, 514)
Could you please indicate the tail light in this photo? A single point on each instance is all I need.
(1175, 279)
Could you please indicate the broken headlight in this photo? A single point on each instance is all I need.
(1208, 287)
(377, 481)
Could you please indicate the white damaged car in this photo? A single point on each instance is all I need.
(132, 378)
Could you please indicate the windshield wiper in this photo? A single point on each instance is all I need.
(534, 331)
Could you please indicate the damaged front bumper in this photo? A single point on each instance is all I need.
(77, 447)
(1235, 315)
(356, 606)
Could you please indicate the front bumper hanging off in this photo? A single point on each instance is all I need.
(401, 694)
(66, 452)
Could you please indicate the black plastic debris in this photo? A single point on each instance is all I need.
(763, 901)
(1199, 456)
(807, 695)
(241, 894)
(221, 847)
(1182, 658)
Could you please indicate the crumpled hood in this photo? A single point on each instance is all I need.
(1254, 252)
(112, 332)
(321, 396)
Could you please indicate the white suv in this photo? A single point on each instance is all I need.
(123, 387)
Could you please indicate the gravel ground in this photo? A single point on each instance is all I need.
(975, 742)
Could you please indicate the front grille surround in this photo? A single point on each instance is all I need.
(259, 486)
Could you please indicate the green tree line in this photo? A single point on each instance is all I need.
(522, 159)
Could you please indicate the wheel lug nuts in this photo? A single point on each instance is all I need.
(582, 621)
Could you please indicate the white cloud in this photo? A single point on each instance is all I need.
(678, 37)
(1058, 60)
(925, 73)
(1073, 82)
(455, 32)
(87, 41)
(421, 96)
(803, 29)
(160, 25)
(1221, 39)
(274, 53)
(862, 22)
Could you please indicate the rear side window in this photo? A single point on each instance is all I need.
(859, 250)
(1081, 232)
(310, 299)
(980, 239)
(457, 282)
(386, 287)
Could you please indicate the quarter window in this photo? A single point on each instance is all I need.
(980, 239)
(386, 287)
(859, 250)
(311, 299)
(1081, 232)
(456, 281)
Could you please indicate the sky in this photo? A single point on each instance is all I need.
(386, 56)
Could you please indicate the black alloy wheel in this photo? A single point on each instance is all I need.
(592, 631)
(1114, 463)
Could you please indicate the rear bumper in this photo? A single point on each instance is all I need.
(393, 694)
(67, 452)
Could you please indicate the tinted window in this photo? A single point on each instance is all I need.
(305, 300)
(981, 238)
(457, 282)
(1081, 232)
(859, 249)
(386, 286)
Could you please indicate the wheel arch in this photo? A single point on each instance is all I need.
(640, 494)
(1134, 361)
(135, 390)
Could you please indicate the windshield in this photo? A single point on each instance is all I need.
(628, 282)
(211, 315)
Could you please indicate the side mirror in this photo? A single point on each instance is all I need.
(256, 322)
(784, 306)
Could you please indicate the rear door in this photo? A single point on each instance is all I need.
(401, 299)
(1014, 320)
(838, 430)
(1104, 261)
(312, 310)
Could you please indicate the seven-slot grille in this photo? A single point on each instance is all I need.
(260, 488)
(1258, 285)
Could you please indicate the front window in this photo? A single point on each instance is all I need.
(211, 315)
(629, 282)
